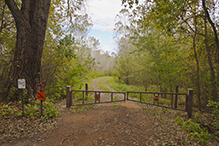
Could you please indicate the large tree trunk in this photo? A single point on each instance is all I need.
(31, 22)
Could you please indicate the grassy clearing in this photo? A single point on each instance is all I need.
(78, 96)
(102, 87)
(113, 83)
(163, 100)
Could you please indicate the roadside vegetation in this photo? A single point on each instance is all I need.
(201, 128)
(161, 45)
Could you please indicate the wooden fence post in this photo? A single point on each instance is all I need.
(189, 102)
(124, 97)
(112, 96)
(68, 96)
(83, 98)
(86, 88)
(176, 98)
(172, 101)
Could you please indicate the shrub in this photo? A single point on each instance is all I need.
(215, 106)
(195, 132)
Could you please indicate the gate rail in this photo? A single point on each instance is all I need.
(69, 96)
(188, 103)
(174, 108)
(188, 96)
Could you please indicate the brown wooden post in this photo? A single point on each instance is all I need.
(140, 96)
(172, 101)
(86, 88)
(83, 97)
(95, 97)
(176, 98)
(189, 102)
(127, 96)
(112, 96)
(124, 97)
(68, 96)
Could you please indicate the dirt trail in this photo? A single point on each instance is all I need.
(106, 124)
(121, 124)
(105, 96)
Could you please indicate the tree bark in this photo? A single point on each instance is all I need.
(2, 19)
(213, 78)
(31, 23)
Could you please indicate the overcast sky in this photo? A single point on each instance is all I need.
(103, 13)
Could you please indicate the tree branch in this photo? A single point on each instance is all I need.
(3, 15)
(18, 17)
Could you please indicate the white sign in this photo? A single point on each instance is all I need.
(21, 84)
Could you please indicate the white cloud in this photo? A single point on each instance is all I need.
(107, 48)
(103, 13)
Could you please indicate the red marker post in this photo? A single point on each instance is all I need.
(156, 99)
(119, 80)
(41, 95)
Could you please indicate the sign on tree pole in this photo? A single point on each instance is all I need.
(22, 85)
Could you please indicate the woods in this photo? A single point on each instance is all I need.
(44, 41)
(171, 43)
(160, 46)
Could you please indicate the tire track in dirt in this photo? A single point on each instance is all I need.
(105, 96)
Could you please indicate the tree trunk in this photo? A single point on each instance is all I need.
(31, 22)
(213, 82)
(197, 65)
(212, 25)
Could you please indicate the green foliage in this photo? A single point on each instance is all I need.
(7, 44)
(166, 46)
(197, 117)
(66, 67)
(195, 132)
(178, 120)
(215, 106)
(30, 110)
(6, 111)
(113, 83)
(12, 91)
(49, 110)
(102, 87)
